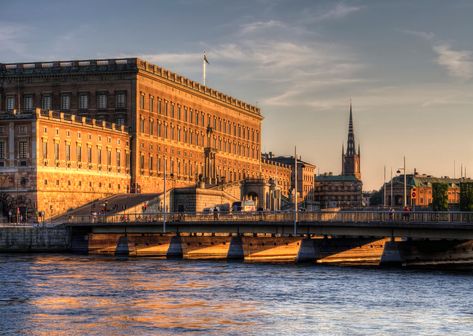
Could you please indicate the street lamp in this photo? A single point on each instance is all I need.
(405, 181)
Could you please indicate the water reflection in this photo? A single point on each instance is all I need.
(76, 295)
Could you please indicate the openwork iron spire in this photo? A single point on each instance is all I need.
(351, 135)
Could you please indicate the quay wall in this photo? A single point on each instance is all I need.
(34, 239)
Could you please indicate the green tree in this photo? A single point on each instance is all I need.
(466, 196)
(376, 198)
(440, 196)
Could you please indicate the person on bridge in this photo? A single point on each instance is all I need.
(406, 213)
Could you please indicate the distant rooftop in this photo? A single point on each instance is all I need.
(329, 177)
(132, 65)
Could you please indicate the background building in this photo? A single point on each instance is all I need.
(343, 190)
(423, 186)
(305, 176)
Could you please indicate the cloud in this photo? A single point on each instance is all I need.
(248, 28)
(289, 69)
(428, 36)
(11, 35)
(458, 63)
(337, 12)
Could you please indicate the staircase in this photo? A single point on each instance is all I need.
(110, 205)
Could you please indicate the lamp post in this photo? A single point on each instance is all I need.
(164, 201)
(295, 191)
(405, 181)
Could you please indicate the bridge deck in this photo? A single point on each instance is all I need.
(370, 224)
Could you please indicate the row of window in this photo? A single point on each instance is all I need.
(79, 184)
(198, 138)
(89, 154)
(22, 149)
(27, 103)
(193, 116)
(185, 168)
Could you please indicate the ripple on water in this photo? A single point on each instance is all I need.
(81, 295)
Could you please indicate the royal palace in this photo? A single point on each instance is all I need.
(75, 131)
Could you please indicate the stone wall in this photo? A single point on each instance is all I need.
(38, 239)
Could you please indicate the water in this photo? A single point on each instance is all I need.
(84, 295)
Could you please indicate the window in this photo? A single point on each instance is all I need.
(68, 152)
(142, 125)
(127, 160)
(159, 130)
(102, 101)
(99, 156)
(89, 155)
(65, 102)
(159, 106)
(179, 112)
(172, 110)
(2, 150)
(83, 101)
(56, 151)
(142, 101)
(109, 157)
(120, 121)
(166, 108)
(118, 155)
(79, 152)
(142, 161)
(150, 163)
(10, 103)
(151, 103)
(151, 127)
(120, 100)
(28, 103)
(46, 102)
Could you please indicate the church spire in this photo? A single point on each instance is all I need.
(351, 159)
(351, 134)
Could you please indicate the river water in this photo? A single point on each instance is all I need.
(85, 295)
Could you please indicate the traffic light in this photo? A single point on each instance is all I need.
(413, 193)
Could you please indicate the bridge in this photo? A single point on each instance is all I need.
(353, 237)
(414, 225)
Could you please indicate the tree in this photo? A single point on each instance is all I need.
(376, 198)
(466, 196)
(440, 196)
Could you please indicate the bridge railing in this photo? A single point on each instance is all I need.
(282, 216)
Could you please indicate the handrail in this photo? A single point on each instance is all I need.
(281, 216)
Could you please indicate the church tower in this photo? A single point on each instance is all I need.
(351, 158)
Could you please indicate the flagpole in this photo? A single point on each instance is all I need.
(204, 68)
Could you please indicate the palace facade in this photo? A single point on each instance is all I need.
(164, 123)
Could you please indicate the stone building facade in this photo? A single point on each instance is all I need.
(338, 191)
(50, 162)
(305, 176)
(168, 124)
(167, 115)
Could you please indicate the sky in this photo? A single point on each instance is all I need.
(407, 67)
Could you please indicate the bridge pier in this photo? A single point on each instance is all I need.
(175, 248)
(392, 254)
(306, 251)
